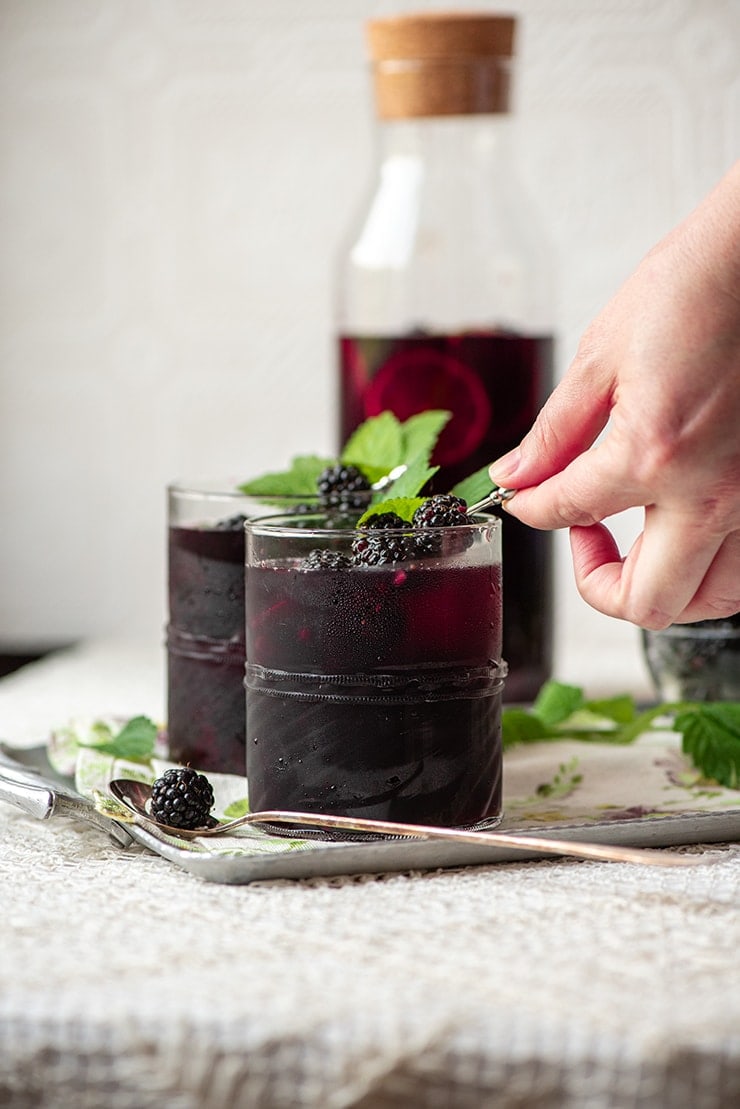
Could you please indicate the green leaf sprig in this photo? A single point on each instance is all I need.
(710, 731)
(376, 447)
(379, 445)
(135, 741)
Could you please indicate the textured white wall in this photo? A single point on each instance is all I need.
(177, 177)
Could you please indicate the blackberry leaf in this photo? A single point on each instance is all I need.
(421, 432)
(135, 741)
(405, 507)
(474, 487)
(299, 481)
(556, 701)
(711, 738)
(376, 446)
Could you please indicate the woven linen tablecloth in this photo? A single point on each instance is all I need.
(127, 983)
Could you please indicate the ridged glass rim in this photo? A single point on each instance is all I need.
(212, 489)
(272, 526)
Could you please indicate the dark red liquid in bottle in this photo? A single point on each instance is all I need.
(494, 383)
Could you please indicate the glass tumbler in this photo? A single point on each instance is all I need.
(375, 690)
(695, 662)
(205, 632)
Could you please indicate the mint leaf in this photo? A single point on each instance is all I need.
(421, 432)
(299, 481)
(711, 738)
(556, 701)
(474, 487)
(135, 741)
(620, 709)
(376, 446)
(237, 808)
(710, 732)
(410, 483)
(520, 726)
(405, 507)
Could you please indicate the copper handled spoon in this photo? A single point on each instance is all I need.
(135, 796)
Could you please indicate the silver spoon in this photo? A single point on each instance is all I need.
(389, 478)
(136, 795)
(495, 498)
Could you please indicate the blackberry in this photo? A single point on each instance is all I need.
(319, 559)
(182, 798)
(383, 520)
(232, 523)
(443, 510)
(373, 546)
(343, 487)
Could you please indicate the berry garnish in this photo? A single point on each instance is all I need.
(374, 546)
(182, 798)
(318, 559)
(343, 487)
(443, 510)
(231, 523)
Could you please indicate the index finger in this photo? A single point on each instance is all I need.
(584, 493)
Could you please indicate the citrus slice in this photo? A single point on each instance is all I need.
(416, 380)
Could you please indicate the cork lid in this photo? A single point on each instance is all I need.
(441, 63)
(429, 35)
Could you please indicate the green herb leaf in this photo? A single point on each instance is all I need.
(405, 507)
(474, 487)
(710, 732)
(421, 432)
(620, 709)
(376, 446)
(519, 726)
(556, 701)
(410, 483)
(299, 481)
(237, 808)
(711, 738)
(135, 741)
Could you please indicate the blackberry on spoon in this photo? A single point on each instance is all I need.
(182, 798)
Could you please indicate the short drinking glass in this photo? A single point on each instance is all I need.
(375, 690)
(205, 632)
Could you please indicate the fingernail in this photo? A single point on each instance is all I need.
(503, 469)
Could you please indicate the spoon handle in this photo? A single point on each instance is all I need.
(493, 499)
(539, 844)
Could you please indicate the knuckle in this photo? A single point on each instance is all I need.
(648, 617)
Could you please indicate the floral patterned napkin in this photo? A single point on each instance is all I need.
(562, 783)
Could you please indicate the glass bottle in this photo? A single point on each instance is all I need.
(445, 291)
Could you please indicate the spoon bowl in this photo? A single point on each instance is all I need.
(137, 795)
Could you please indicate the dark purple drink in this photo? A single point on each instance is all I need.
(494, 383)
(205, 635)
(206, 646)
(375, 691)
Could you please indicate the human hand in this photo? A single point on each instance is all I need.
(661, 366)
